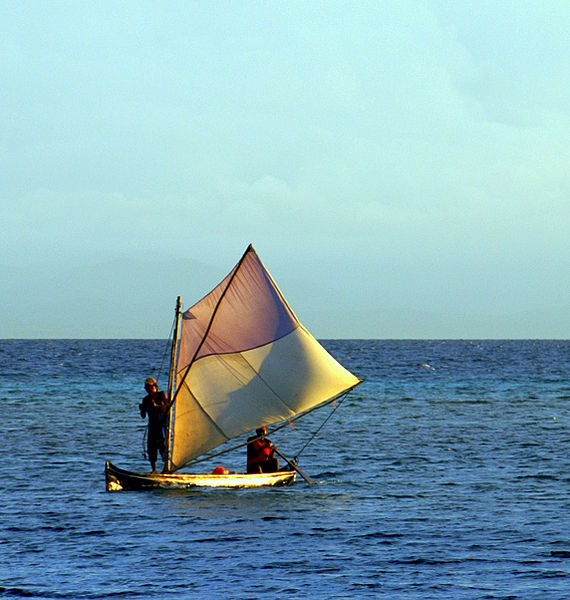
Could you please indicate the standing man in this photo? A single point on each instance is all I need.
(154, 405)
(261, 453)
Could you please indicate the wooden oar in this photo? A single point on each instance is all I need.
(294, 466)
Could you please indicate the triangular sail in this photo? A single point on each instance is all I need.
(245, 360)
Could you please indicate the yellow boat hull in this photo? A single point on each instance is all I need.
(119, 480)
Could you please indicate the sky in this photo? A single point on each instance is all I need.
(402, 168)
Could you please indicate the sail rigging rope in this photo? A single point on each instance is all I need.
(336, 406)
(167, 348)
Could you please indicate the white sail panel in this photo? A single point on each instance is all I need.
(194, 433)
(225, 396)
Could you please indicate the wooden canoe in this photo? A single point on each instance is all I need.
(118, 480)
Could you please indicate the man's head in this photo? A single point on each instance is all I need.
(261, 430)
(150, 384)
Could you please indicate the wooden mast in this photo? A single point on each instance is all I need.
(172, 381)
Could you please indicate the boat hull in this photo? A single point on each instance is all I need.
(120, 480)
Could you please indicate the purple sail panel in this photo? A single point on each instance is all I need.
(195, 323)
(245, 311)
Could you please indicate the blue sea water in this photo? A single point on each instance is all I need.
(446, 474)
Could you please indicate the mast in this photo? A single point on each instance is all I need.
(172, 379)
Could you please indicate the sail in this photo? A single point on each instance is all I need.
(244, 361)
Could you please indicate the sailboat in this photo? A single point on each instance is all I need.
(240, 359)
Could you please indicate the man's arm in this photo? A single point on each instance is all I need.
(162, 402)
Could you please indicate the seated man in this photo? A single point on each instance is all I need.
(261, 453)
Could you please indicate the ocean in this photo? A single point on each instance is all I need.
(446, 474)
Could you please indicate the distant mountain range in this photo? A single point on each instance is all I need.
(135, 299)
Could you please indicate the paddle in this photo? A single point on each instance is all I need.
(294, 466)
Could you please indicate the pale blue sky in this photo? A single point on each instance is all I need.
(402, 168)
